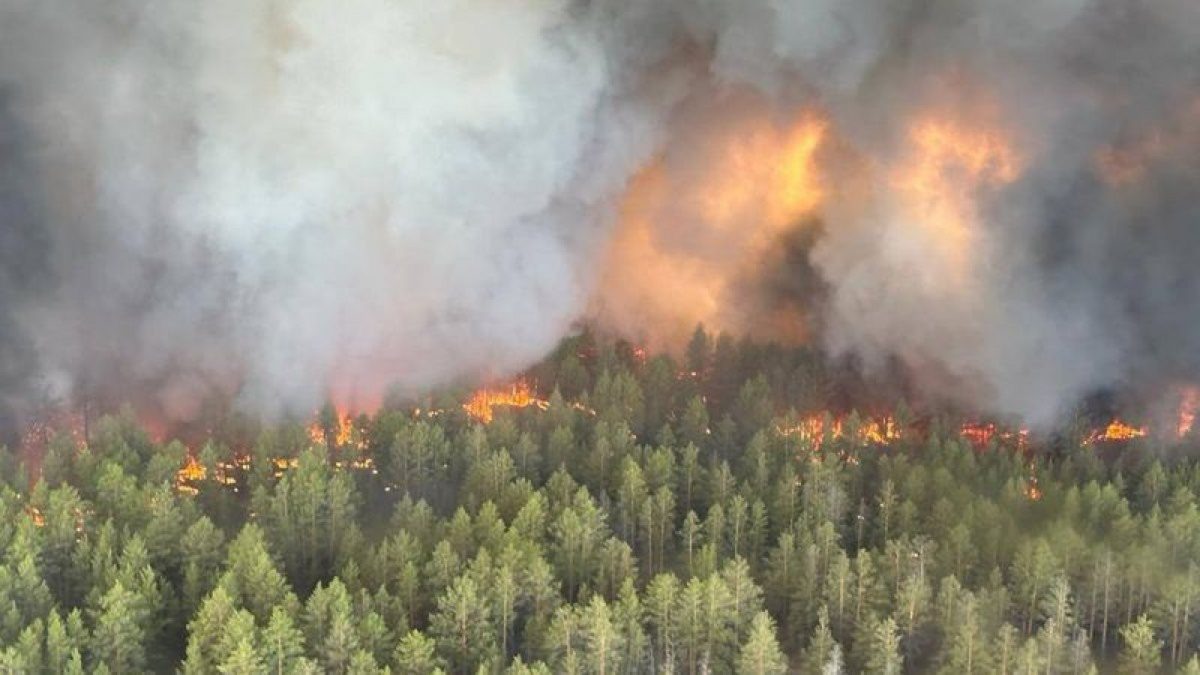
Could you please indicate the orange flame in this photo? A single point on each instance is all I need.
(870, 432)
(343, 429)
(191, 473)
(947, 163)
(689, 230)
(981, 434)
(1189, 402)
(1116, 431)
(482, 403)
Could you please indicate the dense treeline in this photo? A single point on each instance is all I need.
(654, 517)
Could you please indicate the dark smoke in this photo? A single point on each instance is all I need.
(277, 200)
(24, 273)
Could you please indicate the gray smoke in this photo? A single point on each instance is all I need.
(281, 199)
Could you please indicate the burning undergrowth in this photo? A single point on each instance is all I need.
(819, 408)
(254, 204)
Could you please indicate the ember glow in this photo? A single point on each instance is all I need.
(51, 423)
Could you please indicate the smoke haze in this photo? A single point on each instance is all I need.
(282, 200)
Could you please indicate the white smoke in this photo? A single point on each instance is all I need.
(284, 197)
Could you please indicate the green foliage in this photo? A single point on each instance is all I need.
(1141, 651)
(761, 654)
(650, 517)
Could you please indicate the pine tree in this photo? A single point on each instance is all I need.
(244, 659)
(883, 649)
(577, 534)
(461, 625)
(119, 636)
(416, 654)
(329, 626)
(282, 643)
(603, 641)
(965, 652)
(821, 647)
(205, 631)
(661, 598)
(61, 645)
(745, 595)
(565, 641)
(252, 580)
(761, 654)
(1141, 651)
(629, 620)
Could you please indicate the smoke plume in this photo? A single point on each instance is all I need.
(283, 200)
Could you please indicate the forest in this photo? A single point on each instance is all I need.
(740, 508)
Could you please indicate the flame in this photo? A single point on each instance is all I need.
(870, 431)
(981, 434)
(769, 171)
(1116, 431)
(191, 473)
(518, 395)
(689, 231)
(1189, 402)
(885, 431)
(343, 428)
(937, 181)
(880, 432)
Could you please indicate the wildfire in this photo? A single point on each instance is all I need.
(1116, 431)
(37, 435)
(342, 429)
(885, 431)
(880, 432)
(814, 429)
(191, 473)
(947, 163)
(980, 435)
(1189, 402)
(691, 226)
(518, 395)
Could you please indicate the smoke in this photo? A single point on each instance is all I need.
(283, 200)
